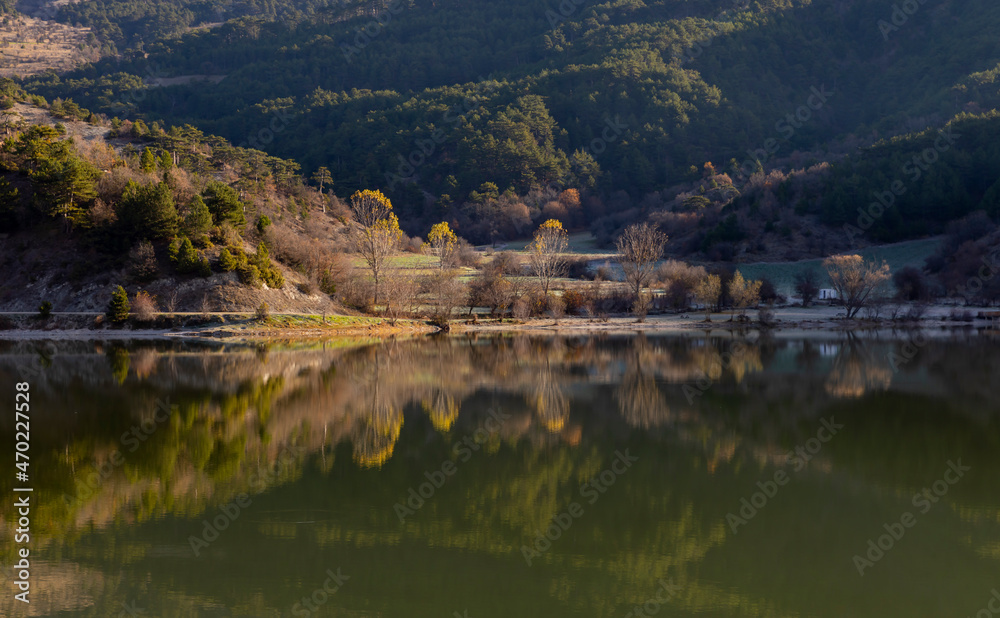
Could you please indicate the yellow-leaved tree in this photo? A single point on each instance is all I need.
(443, 242)
(856, 281)
(744, 293)
(545, 252)
(375, 232)
(707, 293)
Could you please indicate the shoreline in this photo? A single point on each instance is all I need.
(788, 322)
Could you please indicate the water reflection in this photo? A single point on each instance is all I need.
(135, 445)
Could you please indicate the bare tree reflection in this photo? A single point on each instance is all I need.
(640, 401)
(856, 371)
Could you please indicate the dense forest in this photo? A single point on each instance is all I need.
(477, 112)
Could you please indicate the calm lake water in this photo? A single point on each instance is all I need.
(503, 477)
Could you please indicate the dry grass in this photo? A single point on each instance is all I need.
(29, 46)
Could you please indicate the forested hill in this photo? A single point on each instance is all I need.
(430, 99)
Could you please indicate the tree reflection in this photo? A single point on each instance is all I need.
(856, 370)
(640, 401)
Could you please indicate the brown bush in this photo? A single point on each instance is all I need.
(144, 307)
(226, 235)
(111, 185)
(576, 302)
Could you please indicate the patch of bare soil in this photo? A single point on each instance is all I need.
(75, 128)
(30, 45)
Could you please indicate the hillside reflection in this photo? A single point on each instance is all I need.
(346, 432)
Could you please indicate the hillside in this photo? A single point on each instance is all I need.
(86, 208)
(621, 100)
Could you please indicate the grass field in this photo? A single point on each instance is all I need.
(898, 255)
(582, 245)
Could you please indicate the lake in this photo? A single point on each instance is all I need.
(614, 475)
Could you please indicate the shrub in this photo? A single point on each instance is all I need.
(576, 302)
(269, 273)
(144, 307)
(263, 312)
(263, 223)
(119, 307)
(45, 309)
(227, 262)
(250, 275)
(769, 292)
(204, 268)
(225, 234)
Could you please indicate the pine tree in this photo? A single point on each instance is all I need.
(119, 308)
(322, 177)
(147, 162)
(198, 220)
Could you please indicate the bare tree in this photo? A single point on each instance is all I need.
(545, 252)
(707, 292)
(856, 281)
(446, 293)
(639, 249)
(376, 232)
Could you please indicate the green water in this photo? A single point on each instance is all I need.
(586, 476)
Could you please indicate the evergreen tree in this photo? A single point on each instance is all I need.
(198, 221)
(148, 161)
(120, 306)
(147, 212)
